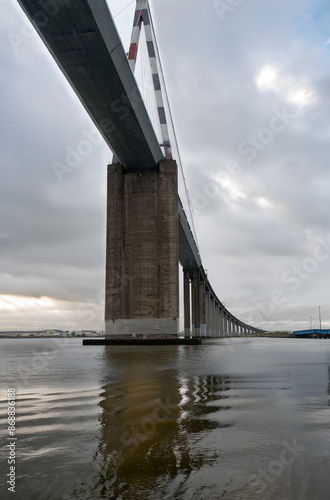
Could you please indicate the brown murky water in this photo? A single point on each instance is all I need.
(232, 419)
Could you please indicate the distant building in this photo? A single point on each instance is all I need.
(316, 333)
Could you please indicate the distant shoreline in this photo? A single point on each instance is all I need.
(86, 336)
(22, 336)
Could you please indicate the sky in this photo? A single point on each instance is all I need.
(249, 88)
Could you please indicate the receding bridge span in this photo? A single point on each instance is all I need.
(147, 228)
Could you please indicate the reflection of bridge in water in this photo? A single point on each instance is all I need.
(147, 229)
(154, 424)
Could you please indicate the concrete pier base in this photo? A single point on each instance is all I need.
(141, 328)
(142, 272)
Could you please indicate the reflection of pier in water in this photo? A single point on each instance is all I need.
(152, 421)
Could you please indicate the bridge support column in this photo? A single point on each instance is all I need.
(220, 321)
(216, 320)
(215, 316)
(186, 298)
(142, 282)
(232, 326)
(207, 314)
(225, 327)
(221, 312)
(212, 317)
(196, 303)
(202, 308)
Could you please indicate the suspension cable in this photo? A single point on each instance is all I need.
(123, 9)
(190, 206)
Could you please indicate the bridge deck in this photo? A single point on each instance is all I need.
(83, 40)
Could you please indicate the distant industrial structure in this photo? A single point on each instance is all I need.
(315, 333)
(51, 333)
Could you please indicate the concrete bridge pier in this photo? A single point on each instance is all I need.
(202, 308)
(212, 319)
(232, 326)
(142, 277)
(186, 302)
(221, 312)
(207, 313)
(196, 309)
(217, 320)
(196, 303)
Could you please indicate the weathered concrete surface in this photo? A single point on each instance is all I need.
(196, 308)
(186, 299)
(202, 308)
(142, 282)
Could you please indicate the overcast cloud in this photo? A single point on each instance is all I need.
(249, 90)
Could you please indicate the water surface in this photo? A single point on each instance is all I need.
(231, 419)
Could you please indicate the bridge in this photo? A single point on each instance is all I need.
(148, 233)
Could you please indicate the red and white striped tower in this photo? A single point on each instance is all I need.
(142, 15)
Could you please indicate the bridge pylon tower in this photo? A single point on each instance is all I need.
(143, 17)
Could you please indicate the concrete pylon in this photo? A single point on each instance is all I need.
(212, 316)
(186, 295)
(196, 309)
(142, 271)
(207, 296)
(221, 313)
(202, 308)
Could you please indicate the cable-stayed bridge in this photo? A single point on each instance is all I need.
(148, 233)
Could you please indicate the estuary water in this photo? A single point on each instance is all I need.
(233, 419)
